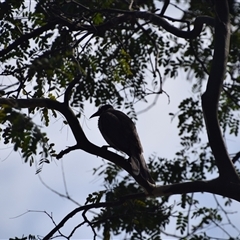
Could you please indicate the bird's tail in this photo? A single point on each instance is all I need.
(139, 166)
(135, 164)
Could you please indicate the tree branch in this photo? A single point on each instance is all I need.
(26, 37)
(216, 186)
(88, 207)
(82, 142)
(165, 6)
(69, 89)
(211, 96)
(159, 21)
(236, 157)
(126, 15)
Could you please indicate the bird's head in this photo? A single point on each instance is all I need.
(102, 109)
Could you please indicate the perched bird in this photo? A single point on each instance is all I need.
(120, 132)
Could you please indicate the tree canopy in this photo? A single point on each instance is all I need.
(58, 56)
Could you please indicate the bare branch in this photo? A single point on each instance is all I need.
(89, 223)
(70, 87)
(125, 16)
(159, 21)
(165, 5)
(88, 207)
(66, 151)
(215, 186)
(82, 142)
(236, 157)
(58, 193)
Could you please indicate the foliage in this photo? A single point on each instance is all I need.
(43, 47)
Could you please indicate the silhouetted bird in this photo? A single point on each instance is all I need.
(120, 133)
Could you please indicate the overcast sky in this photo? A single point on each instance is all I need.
(21, 189)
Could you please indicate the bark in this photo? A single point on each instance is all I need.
(210, 98)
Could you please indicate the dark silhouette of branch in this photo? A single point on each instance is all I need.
(58, 193)
(88, 207)
(113, 23)
(75, 228)
(159, 21)
(70, 87)
(125, 16)
(66, 151)
(236, 157)
(226, 213)
(82, 142)
(165, 5)
(26, 37)
(216, 186)
(89, 223)
(211, 96)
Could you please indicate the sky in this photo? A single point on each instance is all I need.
(23, 196)
(23, 190)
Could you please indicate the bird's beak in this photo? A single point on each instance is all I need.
(95, 114)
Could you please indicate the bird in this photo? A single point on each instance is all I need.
(120, 132)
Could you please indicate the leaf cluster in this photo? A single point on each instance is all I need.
(24, 134)
(137, 218)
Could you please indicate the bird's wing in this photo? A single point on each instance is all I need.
(119, 131)
(130, 132)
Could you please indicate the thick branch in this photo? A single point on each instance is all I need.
(216, 186)
(211, 96)
(148, 16)
(159, 21)
(50, 104)
(82, 141)
(114, 22)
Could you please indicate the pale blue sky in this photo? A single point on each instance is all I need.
(21, 189)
